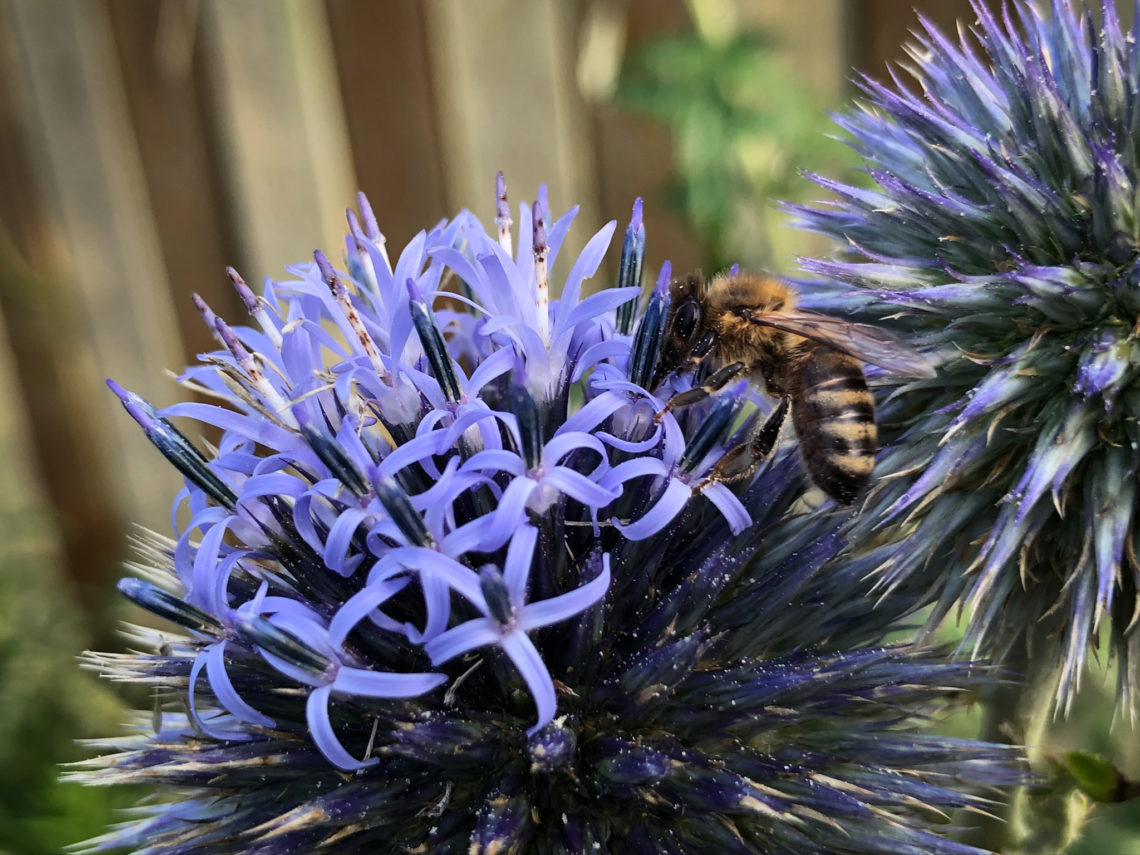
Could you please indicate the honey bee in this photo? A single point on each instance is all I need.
(742, 324)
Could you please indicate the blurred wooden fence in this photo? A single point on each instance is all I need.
(145, 144)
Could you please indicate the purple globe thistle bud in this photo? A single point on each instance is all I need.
(1002, 239)
(467, 584)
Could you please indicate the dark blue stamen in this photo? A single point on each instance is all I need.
(175, 447)
(399, 507)
(710, 431)
(496, 594)
(259, 631)
(330, 453)
(525, 409)
(434, 348)
(647, 342)
(629, 269)
(167, 605)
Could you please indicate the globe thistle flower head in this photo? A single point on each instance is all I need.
(1003, 236)
(454, 579)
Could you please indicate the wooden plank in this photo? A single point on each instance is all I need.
(809, 44)
(635, 154)
(507, 100)
(388, 93)
(810, 40)
(52, 436)
(280, 130)
(86, 173)
(882, 27)
(156, 47)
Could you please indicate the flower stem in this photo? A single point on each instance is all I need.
(1038, 820)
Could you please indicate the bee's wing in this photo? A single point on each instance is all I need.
(863, 341)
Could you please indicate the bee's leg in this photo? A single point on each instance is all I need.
(741, 461)
(714, 383)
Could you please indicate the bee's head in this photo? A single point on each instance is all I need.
(683, 338)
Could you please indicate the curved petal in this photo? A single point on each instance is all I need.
(516, 568)
(470, 536)
(586, 265)
(385, 684)
(563, 442)
(594, 413)
(497, 460)
(509, 515)
(730, 507)
(580, 488)
(273, 484)
(535, 674)
(224, 690)
(675, 497)
(192, 705)
(317, 716)
(339, 540)
(598, 304)
(496, 364)
(437, 604)
(641, 467)
(255, 427)
(216, 600)
(565, 606)
(185, 552)
(413, 451)
(476, 632)
(360, 605)
(610, 348)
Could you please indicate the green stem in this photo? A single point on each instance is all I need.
(1035, 821)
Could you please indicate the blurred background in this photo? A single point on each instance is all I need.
(147, 144)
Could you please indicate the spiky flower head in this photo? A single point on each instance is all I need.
(452, 581)
(1003, 237)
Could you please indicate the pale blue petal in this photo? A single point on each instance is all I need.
(599, 304)
(566, 606)
(674, 499)
(580, 488)
(317, 715)
(192, 705)
(563, 442)
(638, 468)
(509, 515)
(735, 514)
(516, 568)
(339, 541)
(255, 427)
(384, 684)
(535, 674)
(594, 413)
(495, 365)
(613, 348)
(224, 690)
(360, 605)
(496, 460)
(477, 632)
(585, 266)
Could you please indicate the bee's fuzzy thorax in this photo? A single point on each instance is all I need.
(730, 300)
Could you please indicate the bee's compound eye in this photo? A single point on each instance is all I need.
(685, 321)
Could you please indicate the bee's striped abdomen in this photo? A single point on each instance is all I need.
(834, 415)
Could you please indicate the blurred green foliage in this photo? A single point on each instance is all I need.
(46, 702)
(744, 126)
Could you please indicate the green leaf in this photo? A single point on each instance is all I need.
(1095, 776)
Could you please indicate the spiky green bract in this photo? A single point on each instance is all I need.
(455, 582)
(1003, 237)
